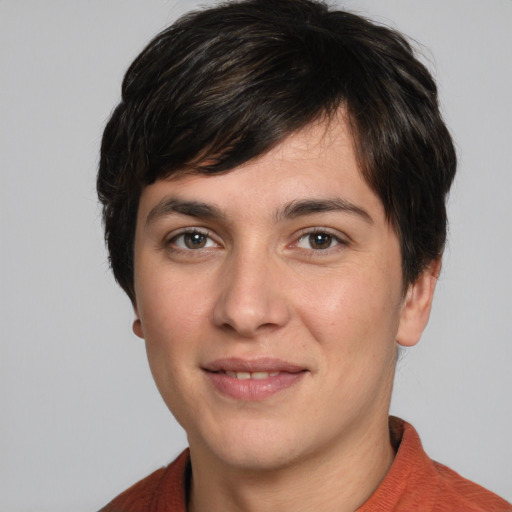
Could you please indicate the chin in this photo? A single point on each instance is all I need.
(254, 446)
(255, 457)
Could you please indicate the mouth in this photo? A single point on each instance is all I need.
(254, 379)
(251, 375)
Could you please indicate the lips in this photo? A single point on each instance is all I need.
(254, 379)
(263, 364)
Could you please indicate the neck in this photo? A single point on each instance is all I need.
(339, 479)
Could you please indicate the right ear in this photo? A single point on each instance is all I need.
(137, 325)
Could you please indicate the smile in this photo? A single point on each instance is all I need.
(250, 380)
(253, 375)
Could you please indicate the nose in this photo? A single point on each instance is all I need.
(252, 296)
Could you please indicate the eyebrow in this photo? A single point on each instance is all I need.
(303, 207)
(292, 210)
(171, 205)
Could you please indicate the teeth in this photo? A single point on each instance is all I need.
(259, 375)
(253, 375)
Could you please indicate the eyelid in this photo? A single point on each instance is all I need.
(342, 239)
(173, 235)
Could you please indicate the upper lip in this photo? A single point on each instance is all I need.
(262, 364)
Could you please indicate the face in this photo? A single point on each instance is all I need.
(270, 299)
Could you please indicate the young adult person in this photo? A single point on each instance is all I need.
(273, 186)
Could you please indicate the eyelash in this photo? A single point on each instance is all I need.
(170, 243)
(340, 242)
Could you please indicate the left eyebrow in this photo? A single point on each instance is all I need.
(303, 207)
(174, 205)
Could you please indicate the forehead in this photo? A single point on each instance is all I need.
(318, 161)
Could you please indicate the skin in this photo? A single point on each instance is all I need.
(256, 283)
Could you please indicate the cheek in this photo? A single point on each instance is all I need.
(173, 325)
(354, 327)
(172, 321)
(169, 305)
(353, 312)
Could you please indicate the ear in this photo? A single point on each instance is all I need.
(417, 305)
(137, 325)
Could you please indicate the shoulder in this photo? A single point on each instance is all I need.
(454, 492)
(416, 482)
(448, 491)
(164, 489)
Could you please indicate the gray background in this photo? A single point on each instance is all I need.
(80, 417)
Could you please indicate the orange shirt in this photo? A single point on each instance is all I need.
(413, 483)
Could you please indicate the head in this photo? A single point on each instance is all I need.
(274, 184)
(226, 85)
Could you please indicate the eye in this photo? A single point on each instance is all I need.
(318, 240)
(192, 240)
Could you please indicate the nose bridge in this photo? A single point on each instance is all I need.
(251, 296)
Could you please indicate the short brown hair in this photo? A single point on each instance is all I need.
(226, 84)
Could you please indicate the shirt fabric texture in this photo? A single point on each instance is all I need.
(413, 483)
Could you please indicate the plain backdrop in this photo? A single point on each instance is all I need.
(80, 417)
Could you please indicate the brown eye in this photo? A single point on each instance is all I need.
(318, 241)
(192, 240)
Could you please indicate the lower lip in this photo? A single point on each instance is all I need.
(253, 389)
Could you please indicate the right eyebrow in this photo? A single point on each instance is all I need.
(170, 205)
